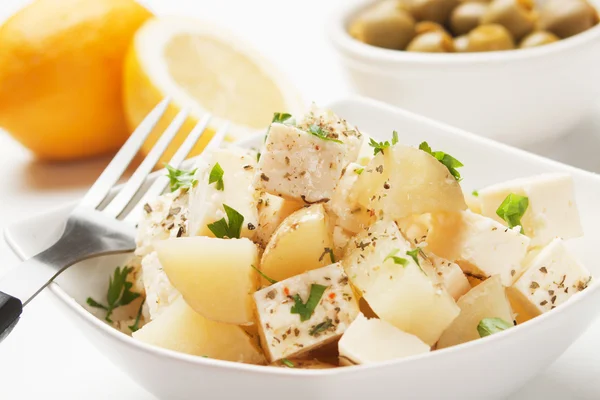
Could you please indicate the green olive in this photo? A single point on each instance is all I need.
(461, 44)
(492, 37)
(518, 16)
(538, 38)
(467, 17)
(432, 42)
(566, 18)
(431, 10)
(385, 24)
(428, 26)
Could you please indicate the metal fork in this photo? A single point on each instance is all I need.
(93, 229)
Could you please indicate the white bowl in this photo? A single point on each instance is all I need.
(518, 97)
(490, 368)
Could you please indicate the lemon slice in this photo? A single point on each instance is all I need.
(203, 69)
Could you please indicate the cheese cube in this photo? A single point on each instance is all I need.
(163, 218)
(344, 206)
(552, 211)
(206, 201)
(272, 210)
(551, 278)
(481, 246)
(283, 333)
(451, 276)
(373, 340)
(160, 293)
(338, 127)
(300, 166)
(399, 291)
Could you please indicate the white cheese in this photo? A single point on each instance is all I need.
(163, 218)
(160, 293)
(300, 166)
(343, 204)
(373, 340)
(272, 210)
(451, 276)
(551, 278)
(206, 201)
(480, 245)
(552, 211)
(399, 291)
(283, 334)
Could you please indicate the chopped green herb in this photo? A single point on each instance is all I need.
(380, 146)
(216, 176)
(321, 134)
(512, 210)
(119, 292)
(450, 162)
(258, 156)
(395, 259)
(475, 193)
(283, 118)
(414, 254)
(272, 281)
(180, 179)
(359, 171)
(232, 228)
(322, 327)
(136, 324)
(305, 310)
(489, 326)
(331, 255)
(287, 363)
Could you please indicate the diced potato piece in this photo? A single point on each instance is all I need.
(451, 276)
(552, 277)
(415, 228)
(180, 328)
(299, 166)
(369, 341)
(272, 210)
(215, 276)
(163, 218)
(160, 293)
(206, 201)
(366, 152)
(300, 363)
(552, 211)
(301, 243)
(487, 300)
(283, 333)
(481, 246)
(343, 205)
(403, 181)
(426, 307)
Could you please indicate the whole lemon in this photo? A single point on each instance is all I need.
(61, 66)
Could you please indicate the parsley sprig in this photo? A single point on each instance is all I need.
(317, 131)
(306, 310)
(270, 280)
(379, 147)
(489, 326)
(216, 176)
(283, 118)
(119, 293)
(179, 178)
(232, 228)
(414, 254)
(287, 363)
(512, 210)
(136, 325)
(327, 250)
(397, 260)
(322, 327)
(450, 162)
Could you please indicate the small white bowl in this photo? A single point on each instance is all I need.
(490, 368)
(518, 97)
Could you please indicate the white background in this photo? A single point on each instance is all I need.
(47, 358)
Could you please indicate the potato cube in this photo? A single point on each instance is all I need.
(552, 211)
(272, 210)
(380, 265)
(487, 300)
(451, 276)
(302, 242)
(207, 199)
(305, 312)
(214, 276)
(181, 329)
(369, 341)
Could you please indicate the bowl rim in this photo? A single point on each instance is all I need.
(521, 329)
(341, 39)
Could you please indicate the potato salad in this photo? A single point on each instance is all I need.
(325, 248)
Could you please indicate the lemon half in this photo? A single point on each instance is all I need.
(204, 69)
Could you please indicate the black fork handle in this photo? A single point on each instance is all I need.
(10, 311)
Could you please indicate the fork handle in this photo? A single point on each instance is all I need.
(10, 311)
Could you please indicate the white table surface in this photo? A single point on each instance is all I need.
(47, 358)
